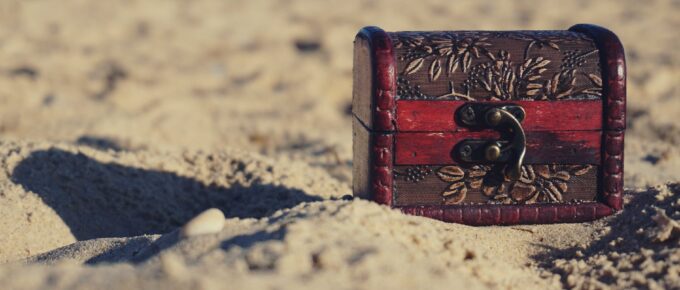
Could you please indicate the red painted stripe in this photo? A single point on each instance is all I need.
(438, 116)
(564, 147)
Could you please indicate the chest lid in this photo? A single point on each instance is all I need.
(497, 66)
(546, 67)
(574, 72)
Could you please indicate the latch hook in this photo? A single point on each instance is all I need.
(505, 119)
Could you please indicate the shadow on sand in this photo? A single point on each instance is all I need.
(98, 200)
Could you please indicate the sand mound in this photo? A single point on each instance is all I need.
(639, 248)
(55, 195)
(348, 243)
(305, 246)
(353, 244)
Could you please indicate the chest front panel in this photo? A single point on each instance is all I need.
(554, 76)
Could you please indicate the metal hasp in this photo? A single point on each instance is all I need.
(510, 149)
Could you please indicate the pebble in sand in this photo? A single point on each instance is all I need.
(208, 222)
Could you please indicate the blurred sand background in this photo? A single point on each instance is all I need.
(122, 120)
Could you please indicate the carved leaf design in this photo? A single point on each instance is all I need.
(435, 70)
(452, 63)
(580, 169)
(455, 193)
(553, 194)
(476, 171)
(476, 183)
(522, 192)
(467, 60)
(444, 50)
(488, 190)
(542, 170)
(542, 63)
(527, 175)
(497, 78)
(414, 66)
(562, 175)
(492, 75)
(561, 85)
(529, 72)
(451, 173)
(544, 183)
(595, 79)
(561, 185)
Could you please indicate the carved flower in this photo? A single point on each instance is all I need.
(507, 192)
(443, 53)
(537, 183)
(504, 81)
(460, 180)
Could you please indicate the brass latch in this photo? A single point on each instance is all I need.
(510, 149)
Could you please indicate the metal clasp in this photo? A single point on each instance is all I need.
(507, 120)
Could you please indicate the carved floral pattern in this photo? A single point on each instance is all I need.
(441, 54)
(537, 183)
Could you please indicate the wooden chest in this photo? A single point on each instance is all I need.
(490, 127)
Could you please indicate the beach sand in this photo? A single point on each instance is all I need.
(123, 120)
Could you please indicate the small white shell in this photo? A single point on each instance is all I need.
(208, 222)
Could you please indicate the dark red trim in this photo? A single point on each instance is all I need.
(486, 215)
(385, 68)
(613, 61)
(560, 147)
(438, 116)
(612, 168)
(383, 107)
(382, 183)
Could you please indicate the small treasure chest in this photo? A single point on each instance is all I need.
(490, 127)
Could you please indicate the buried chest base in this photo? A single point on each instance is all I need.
(478, 195)
(485, 184)
(484, 215)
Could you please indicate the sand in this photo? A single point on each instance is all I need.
(120, 121)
